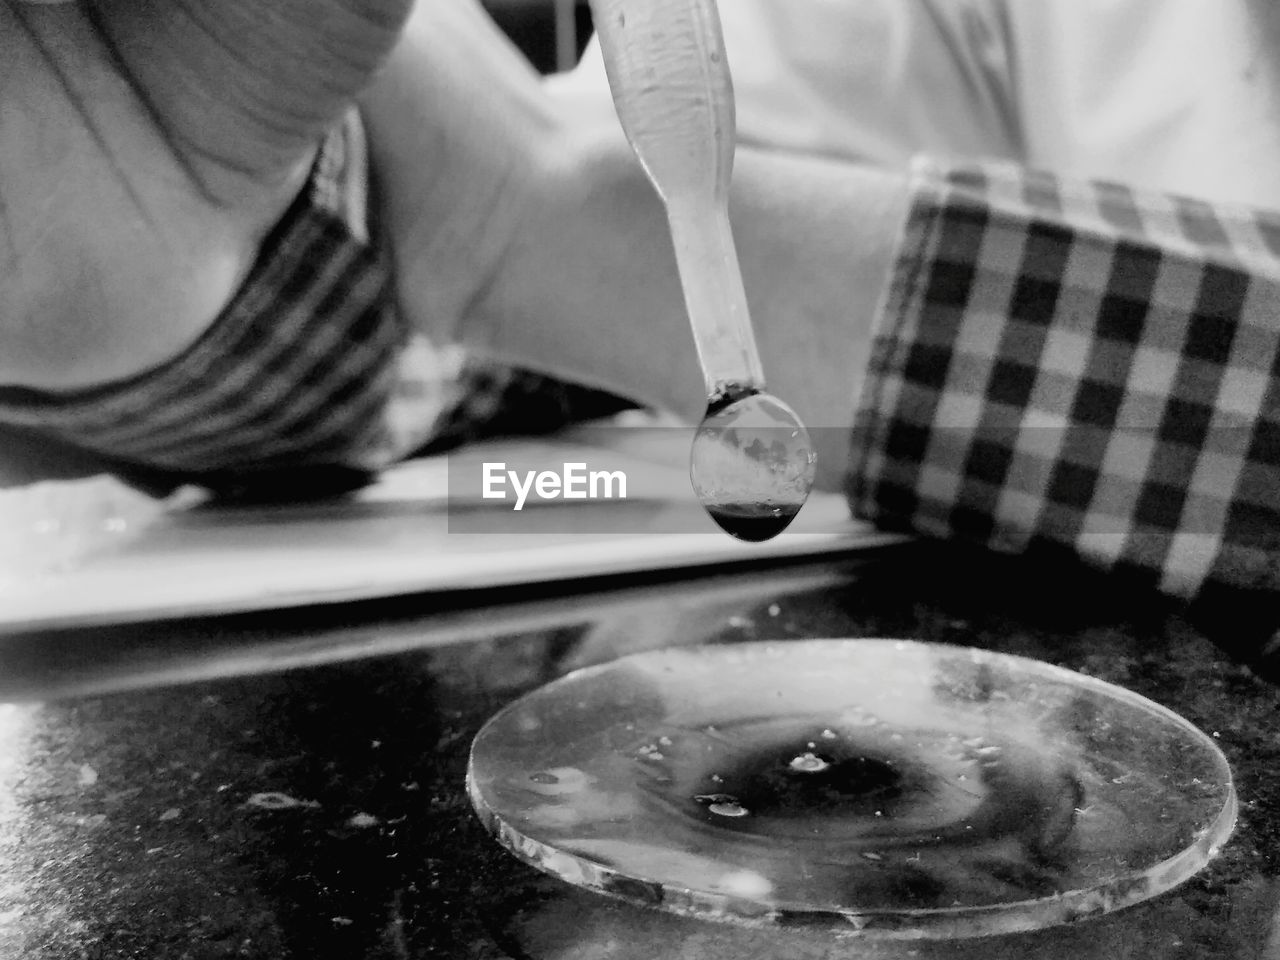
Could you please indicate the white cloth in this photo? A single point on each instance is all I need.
(1176, 95)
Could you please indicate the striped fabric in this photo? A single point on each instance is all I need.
(309, 368)
(1083, 366)
(297, 370)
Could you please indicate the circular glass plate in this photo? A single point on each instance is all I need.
(871, 787)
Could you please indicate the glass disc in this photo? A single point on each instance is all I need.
(874, 787)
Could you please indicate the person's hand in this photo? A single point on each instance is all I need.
(519, 227)
(523, 226)
(146, 146)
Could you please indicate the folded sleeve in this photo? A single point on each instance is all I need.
(297, 369)
(309, 371)
(1085, 367)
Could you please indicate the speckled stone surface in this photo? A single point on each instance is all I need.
(290, 785)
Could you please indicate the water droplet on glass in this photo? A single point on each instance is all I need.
(809, 763)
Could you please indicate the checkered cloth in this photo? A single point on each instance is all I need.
(308, 373)
(295, 371)
(1087, 367)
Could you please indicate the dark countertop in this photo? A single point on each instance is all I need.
(290, 785)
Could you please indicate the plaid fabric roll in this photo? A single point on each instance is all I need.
(297, 370)
(309, 379)
(1087, 367)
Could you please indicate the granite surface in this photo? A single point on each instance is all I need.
(290, 785)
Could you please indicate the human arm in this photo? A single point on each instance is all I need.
(146, 149)
(166, 207)
(583, 283)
